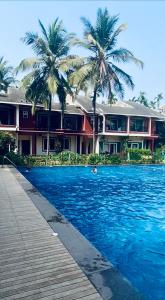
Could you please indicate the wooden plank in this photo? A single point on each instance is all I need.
(34, 263)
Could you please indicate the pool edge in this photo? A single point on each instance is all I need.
(102, 274)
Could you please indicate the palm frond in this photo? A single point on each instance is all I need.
(80, 74)
(70, 62)
(124, 55)
(127, 79)
(43, 30)
(52, 84)
(28, 64)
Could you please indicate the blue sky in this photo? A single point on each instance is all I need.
(145, 35)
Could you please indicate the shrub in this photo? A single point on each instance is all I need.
(94, 159)
(17, 159)
(115, 159)
(138, 154)
(7, 143)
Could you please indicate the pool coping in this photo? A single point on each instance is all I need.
(107, 280)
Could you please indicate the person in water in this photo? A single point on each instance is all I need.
(94, 170)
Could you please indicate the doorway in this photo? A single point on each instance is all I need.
(25, 147)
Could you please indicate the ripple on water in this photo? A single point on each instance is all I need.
(121, 210)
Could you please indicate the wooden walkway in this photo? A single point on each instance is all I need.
(34, 264)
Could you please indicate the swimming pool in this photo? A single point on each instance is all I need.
(121, 210)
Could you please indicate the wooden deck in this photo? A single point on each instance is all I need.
(34, 264)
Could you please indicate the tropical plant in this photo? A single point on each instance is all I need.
(7, 143)
(99, 69)
(6, 75)
(48, 70)
(142, 99)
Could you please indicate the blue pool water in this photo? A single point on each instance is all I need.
(121, 210)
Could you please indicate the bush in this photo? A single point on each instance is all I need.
(94, 159)
(159, 155)
(7, 143)
(139, 154)
(17, 159)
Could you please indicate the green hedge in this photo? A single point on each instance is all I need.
(136, 156)
(139, 154)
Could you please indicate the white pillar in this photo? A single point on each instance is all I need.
(128, 125)
(81, 144)
(31, 145)
(84, 122)
(16, 142)
(98, 144)
(17, 116)
(150, 127)
(103, 123)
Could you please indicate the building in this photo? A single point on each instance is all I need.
(137, 124)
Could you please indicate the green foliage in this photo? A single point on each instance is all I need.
(94, 159)
(6, 141)
(17, 159)
(6, 75)
(159, 155)
(143, 99)
(139, 154)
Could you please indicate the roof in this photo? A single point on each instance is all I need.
(17, 96)
(128, 108)
(70, 109)
(14, 95)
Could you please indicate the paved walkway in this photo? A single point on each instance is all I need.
(34, 264)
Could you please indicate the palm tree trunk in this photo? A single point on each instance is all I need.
(94, 119)
(49, 118)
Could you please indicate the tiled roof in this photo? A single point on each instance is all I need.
(128, 108)
(16, 95)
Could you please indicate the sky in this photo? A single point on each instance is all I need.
(144, 36)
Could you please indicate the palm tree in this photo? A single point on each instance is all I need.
(142, 99)
(6, 75)
(48, 70)
(157, 99)
(99, 68)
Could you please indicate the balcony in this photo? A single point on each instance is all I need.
(7, 116)
(115, 124)
(70, 122)
(139, 125)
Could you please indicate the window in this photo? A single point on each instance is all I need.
(6, 116)
(110, 148)
(66, 144)
(52, 144)
(138, 125)
(25, 114)
(115, 124)
(70, 123)
(135, 145)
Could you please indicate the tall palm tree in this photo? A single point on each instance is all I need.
(6, 75)
(48, 70)
(99, 68)
(142, 99)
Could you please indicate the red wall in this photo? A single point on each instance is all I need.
(28, 123)
(86, 125)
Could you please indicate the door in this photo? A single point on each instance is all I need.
(25, 147)
(112, 148)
